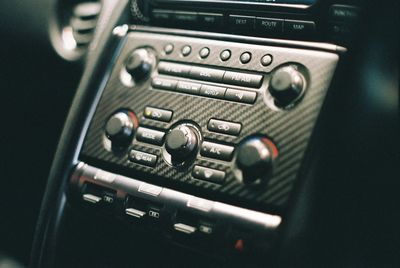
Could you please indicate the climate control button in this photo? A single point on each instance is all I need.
(181, 142)
(217, 151)
(120, 128)
(255, 158)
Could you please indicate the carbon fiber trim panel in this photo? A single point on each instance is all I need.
(289, 129)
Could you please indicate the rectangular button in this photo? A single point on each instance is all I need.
(210, 19)
(184, 228)
(150, 189)
(207, 74)
(217, 151)
(268, 25)
(224, 127)
(143, 158)
(91, 198)
(158, 114)
(162, 15)
(185, 17)
(208, 174)
(162, 83)
(212, 91)
(150, 136)
(299, 27)
(243, 79)
(241, 95)
(135, 213)
(241, 22)
(173, 69)
(186, 87)
(341, 13)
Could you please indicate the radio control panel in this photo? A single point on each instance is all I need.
(221, 120)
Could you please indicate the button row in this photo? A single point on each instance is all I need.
(188, 18)
(259, 25)
(210, 74)
(242, 96)
(271, 25)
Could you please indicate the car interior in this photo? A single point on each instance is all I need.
(199, 133)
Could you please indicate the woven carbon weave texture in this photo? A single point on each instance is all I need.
(290, 129)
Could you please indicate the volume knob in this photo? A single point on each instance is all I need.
(287, 85)
(140, 64)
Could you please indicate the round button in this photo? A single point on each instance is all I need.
(266, 60)
(186, 50)
(204, 52)
(168, 49)
(225, 55)
(245, 57)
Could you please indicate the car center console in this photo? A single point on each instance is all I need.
(201, 137)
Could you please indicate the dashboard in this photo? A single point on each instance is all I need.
(218, 134)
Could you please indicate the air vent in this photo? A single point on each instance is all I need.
(83, 22)
(72, 26)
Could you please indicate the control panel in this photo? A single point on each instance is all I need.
(221, 120)
(215, 228)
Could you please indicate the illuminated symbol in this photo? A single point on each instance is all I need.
(156, 114)
(239, 95)
(154, 214)
(108, 199)
(205, 229)
(208, 173)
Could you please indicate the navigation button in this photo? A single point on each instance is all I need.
(206, 74)
(243, 79)
(241, 96)
(186, 87)
(162, 15)
(268, 25)
(241, 22)
(217, 151)
(224, 127)
(210, 19)
(162, 83)
(212, 91)
(182, 17)
(208, 174)
(298, 27)
(157, 114)
(150, 136)
(170, 68)
(143, 158)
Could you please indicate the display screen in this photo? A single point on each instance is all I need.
(290, 2)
